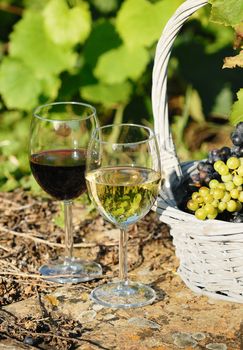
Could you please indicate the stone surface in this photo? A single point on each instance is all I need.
(178, 319)
(11, 344)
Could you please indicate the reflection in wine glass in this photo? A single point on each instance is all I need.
(123, 177)
(59, 136)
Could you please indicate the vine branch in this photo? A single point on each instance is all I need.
(11, 9)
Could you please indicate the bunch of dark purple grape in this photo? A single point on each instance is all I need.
(218, 167)
(237, 140)
(206, 171)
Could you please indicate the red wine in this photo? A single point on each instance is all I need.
(60, 173)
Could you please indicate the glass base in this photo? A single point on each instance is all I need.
(70, 271)
(123, 295)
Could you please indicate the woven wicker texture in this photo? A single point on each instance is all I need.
(210, 252)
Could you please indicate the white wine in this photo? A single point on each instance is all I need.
(123, 194)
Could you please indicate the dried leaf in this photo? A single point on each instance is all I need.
(232, 62)
(238, 43)
(52, 300)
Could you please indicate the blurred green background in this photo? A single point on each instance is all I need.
(101, 52)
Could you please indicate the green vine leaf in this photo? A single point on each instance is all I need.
(118, 65)
(227, 12)
(67, 26)
(108, 95)
(237, 109)
(140, 23)
(50, 86)
(102, 39)
(31, 44)
(18, 86)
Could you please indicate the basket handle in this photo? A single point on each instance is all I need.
(159, 98)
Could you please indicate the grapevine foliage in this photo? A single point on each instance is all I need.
(228, 12)
(102, 51)
(60, 38)
(237, 110)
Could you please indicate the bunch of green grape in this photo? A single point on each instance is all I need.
(220, 196)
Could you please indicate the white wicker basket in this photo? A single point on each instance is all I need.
(210, 252)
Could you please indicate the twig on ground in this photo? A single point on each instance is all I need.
(36, 276)
(9, 265)
(54, 335)
(22, 207)
(52, 244)
(9, 250)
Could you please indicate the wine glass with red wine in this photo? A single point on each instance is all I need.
(59, 136)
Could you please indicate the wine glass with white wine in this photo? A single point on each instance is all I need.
(123, 175)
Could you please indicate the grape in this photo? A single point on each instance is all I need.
(200, 166)
(225, 152)
(218, 193)
(201, 214)
(210, 209)
(220, 182)
(237, 151)
(229, 185)
(234, 193)
(213, 156)
(203, 175)
(239, 127)
(231, 205)
(216, 176)
(223, 169)
(204, 191)
(218, 164)
(213, 183)
(239, 206)
(205, 170)
(208, 198)
(226, 197)
(241, 197)
(207, 167)
(215, 203)
(212, 216)
(222, 206)
(226, 178)
(195, 178)
(221, 186)
(240, 152)
(240, 170)
(208, 179)
(237, 180)
(235, 138)
(197, 197)
(192, 205)
(233, 163)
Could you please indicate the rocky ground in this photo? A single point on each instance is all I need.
(36, 314)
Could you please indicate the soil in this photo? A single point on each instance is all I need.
(30, 236)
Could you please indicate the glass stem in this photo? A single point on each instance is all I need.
(123, 256)
(68, 229)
